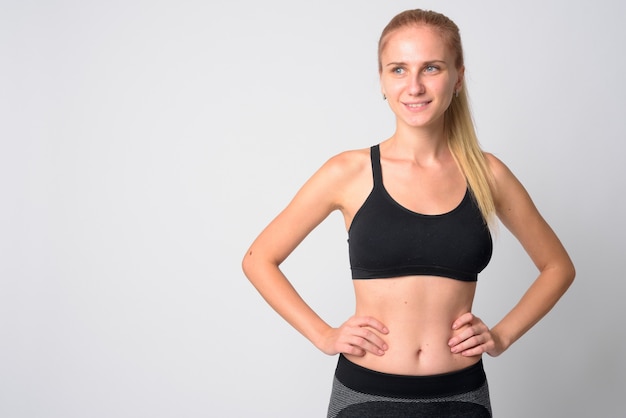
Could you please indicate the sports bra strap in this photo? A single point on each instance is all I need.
(376, 170)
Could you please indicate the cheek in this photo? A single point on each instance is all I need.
(447, 86)
(391, 87)
(445, 90)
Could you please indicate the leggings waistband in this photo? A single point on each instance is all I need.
(368, 381)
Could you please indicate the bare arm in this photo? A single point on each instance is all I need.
(321, 194)
(556, 271)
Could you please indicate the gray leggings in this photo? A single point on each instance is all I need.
(363, 393)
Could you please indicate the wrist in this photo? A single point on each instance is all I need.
(321, 339)
(501, 340)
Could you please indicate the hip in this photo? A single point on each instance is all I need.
(413, 355)
(358, 392)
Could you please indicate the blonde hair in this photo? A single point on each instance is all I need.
(458, 123)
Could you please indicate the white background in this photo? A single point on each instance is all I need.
(144, 144)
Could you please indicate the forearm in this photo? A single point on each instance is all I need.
(278, 292)
(540, 298)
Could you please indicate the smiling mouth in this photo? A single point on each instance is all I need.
(416, 105)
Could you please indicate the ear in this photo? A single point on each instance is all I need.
(459, 82)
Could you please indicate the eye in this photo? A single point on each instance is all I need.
(431, 69)
(398, 70)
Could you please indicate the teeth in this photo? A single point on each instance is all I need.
(416, 105)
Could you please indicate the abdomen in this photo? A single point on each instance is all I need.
(419, 312)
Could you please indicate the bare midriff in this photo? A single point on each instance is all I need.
(419, 312)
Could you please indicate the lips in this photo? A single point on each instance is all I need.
(418, 105)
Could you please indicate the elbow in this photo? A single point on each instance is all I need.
(252, 264)
(257, 265)
(572, 273)
(246, 264)
(569, 274)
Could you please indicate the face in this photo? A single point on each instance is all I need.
(418, 76)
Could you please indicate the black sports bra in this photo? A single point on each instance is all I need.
(387, 240)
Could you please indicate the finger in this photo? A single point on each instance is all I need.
(466, 345)
(476, 351)
(482, 340)
(353, 350)
(372, 340)
(464, 319)
(464, 335)
(367, 347)
(368, 321)
(485, 347)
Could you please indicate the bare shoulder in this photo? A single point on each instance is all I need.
(348, 179)
(498, 168)
(506, 185)
(514, 205)
(334, 180)
(348, 164)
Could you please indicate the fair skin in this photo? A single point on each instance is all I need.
(415, 325)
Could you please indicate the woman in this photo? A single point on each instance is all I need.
(417, 208)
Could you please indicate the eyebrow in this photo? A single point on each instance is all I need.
(401, 63)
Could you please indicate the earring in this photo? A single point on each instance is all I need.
(384, 96)
(456, 93)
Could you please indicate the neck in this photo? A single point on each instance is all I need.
(423, 143)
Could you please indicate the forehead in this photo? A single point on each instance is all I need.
(416, 43)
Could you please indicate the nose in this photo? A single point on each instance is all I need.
(416, 87)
